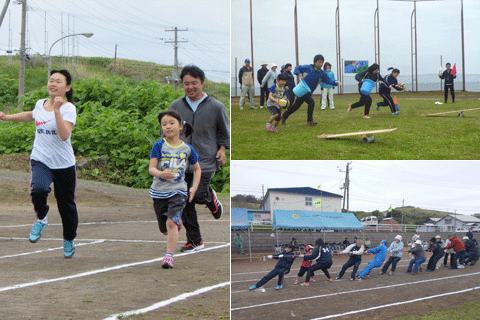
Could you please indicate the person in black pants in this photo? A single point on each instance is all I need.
(323, 257)
(373, 74)
(438, 252)
(448, 77)
(290, 82)
(384, 91)
(355, 251)
(263, 89)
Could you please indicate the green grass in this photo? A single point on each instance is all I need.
(417, 137)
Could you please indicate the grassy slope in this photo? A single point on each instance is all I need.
(417, 137)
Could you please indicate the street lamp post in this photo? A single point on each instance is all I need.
(88, 35)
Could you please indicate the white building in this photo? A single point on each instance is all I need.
(302, 199)
(459, 222)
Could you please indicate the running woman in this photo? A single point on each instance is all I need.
(169, 159)
(385, 89)
(52, 158)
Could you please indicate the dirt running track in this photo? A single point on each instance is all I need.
(117, 263)
(331, 300)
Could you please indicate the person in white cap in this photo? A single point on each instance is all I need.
(261, 73)
(419, 257)
(395, 249)
(271, 76)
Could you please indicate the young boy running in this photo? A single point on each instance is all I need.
(275, 94)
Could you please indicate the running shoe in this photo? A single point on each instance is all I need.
(279, 287)
(167, 262)
(338, 278)
(378, 107)
(352, 279)
(305, 284)
(269, 126)
(312, 280)
(330, 279)
(252, 288)
(199, 247)
(274, 129)
(366, 116)
(311, 123)
(187, 247)
(296, 282)
(395, 113)
(460, 266)
(68, 249)
(37, 230)
(215, 206)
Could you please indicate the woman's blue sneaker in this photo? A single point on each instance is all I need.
(68, 249)
(252, 288)
(37, 230)
(279, 287)
(395, 113)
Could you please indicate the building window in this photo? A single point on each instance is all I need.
(308, 201)
(448, 221)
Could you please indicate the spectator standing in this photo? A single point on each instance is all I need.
(245, 77)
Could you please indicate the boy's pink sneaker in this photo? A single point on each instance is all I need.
(296, 282)
(312, 280)
(269, 126)
(167, 262)
(274, 129)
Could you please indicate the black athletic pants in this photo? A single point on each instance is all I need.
(64, 183)
(203, 195)
(351, 262)
(364, 101)
(318, 266)
(263, 95)
(297, 104)
(449, 87)
(393, 261)
(387, 100)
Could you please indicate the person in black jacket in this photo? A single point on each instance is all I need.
(384, 90)
(323, 257)
(438, 252)
(263, 90)
(283, 266)
(448, 77)
(470, 249)
(373, 74)
(290, 82)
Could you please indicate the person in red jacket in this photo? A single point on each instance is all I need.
(459, 249)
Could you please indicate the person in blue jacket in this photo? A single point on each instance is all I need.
(385, 89)
(373, 74)
(314, 75)
(380, 255)
(286, 258)
(323, 256)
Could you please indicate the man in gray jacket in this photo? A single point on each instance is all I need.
(211, 138)
(396, 254)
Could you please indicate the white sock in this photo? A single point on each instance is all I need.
(44, 220)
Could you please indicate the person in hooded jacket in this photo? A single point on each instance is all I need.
(396, 255)
(380, 255)
(419, 257)
(323, 256)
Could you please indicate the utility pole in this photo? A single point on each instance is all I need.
(4, 11)
(115, 61)
(175, 41)
(21, 72)
(346, 188)
(296, 35)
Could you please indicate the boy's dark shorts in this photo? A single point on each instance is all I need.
(302, 271)
(275, 110)
(169, 208)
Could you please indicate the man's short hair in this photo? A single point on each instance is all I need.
(282, 76)
(193, 71)
(288, 65)
(318, 57)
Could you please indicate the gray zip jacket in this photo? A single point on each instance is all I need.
(211, 129)
(396, 249)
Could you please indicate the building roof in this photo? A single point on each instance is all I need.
(304, 190)
(463, 218)
(435, 219)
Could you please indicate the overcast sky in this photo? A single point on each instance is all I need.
(135, 26)
(374, 185)
(438, 24)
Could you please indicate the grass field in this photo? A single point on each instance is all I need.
(417, 137)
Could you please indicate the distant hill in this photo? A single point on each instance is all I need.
(411, 215)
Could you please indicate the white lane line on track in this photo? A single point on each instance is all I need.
(89, 273)
(103, 223)
(353, 291)
(46, 250)
(396, 304)
(169, 301)
(106, 240)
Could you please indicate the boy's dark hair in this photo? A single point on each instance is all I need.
(187, 127)
(372, 68)
(68, 77)
(327, 64)
(394, 70)
(319, 242)
(288, 65)
(448, 64)
(318, 57)
(282, 76)
(193, 71)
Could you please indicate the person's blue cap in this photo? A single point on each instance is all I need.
(385, 242)
(247, 60)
